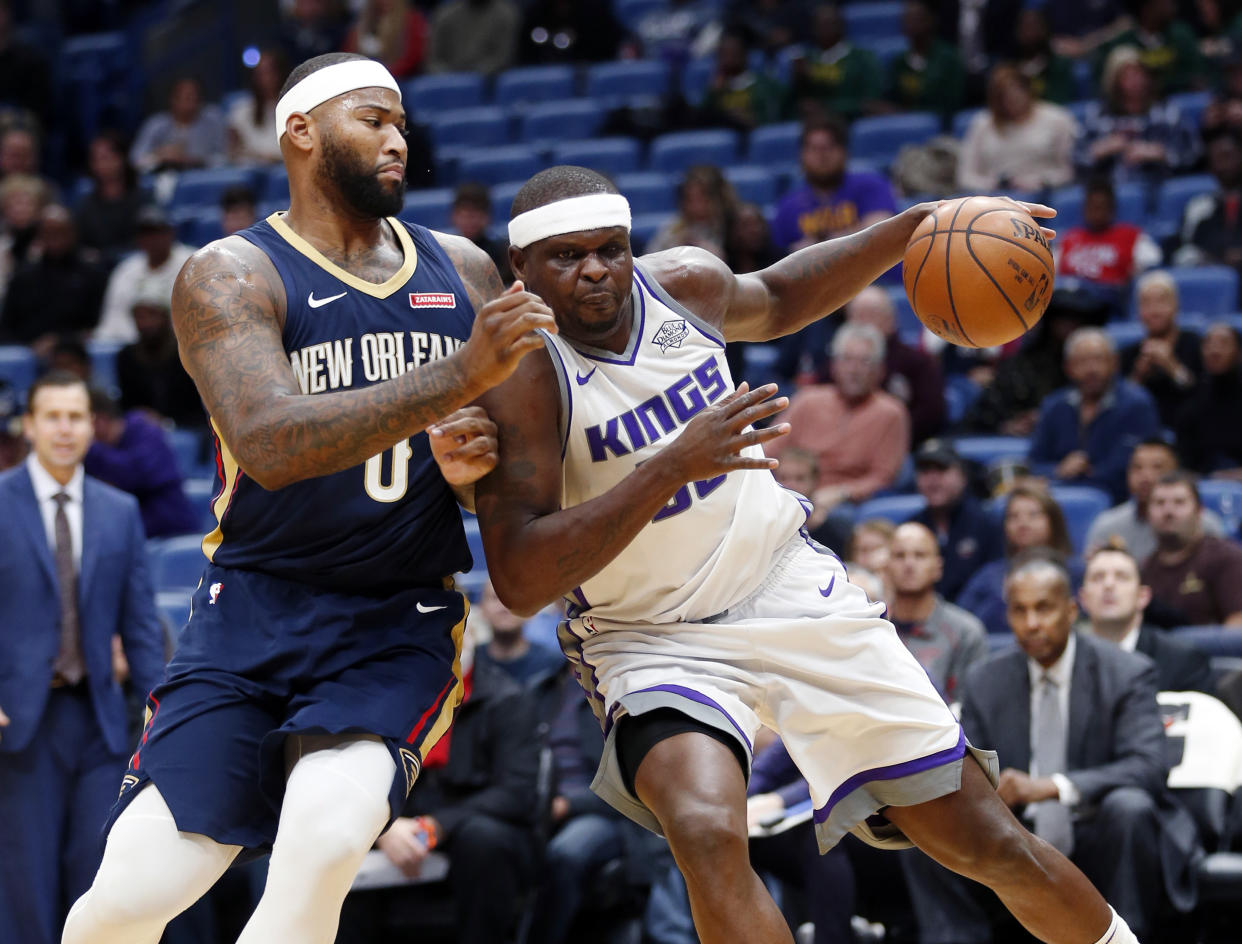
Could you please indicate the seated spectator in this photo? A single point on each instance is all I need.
(471, 215)
(1086, 431)
(799, 471)
(12, 442)
(1211, 229)
(473, 36)
(1166, 45)
(252, 117)
(132, 453)
(834, 201)
(311, 28)
(911, 375)
(1032, 519)
(22, 199)
(69, 354)
(107, 216)
(737, 95)
(1166, 361)
(859, 434)
(151, 271)
(1081, 744)
(832, 75)
(1131, 133)
(870, 543)
(149, 371)
(238, 210)
(748, 244)
(19, 153)
(1209, 435)
(776, 23)
(509, 649)
(1051, 76)
(570, 32)
(189, 134)
(930, 75)
(705, 203)
(1104, 255)
(59, 292)
(677, 31)
(1017, 142)
(1193, 576)
(391, 31)
(1224, 113)
(965, 533)
(1128, 523)
(473, 800)
(945, 639)
(1113, 598)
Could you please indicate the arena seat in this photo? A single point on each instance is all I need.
(611, 156)
(613, 83)
(1211, 639)
(886, 48)
(998, 641)
(527, 84)
(1080, 504)
(1209, 290)
(960, 394)
(696, 79)
(908, 324)
(498, 164)
(879, 139)
(987, 449)
(774, 144)
(1176, 192)
(644, 226)
(275, 186)
(649, 192)
(19, 366)
(1191, 105)
(629, 12)
(430, 208)
(187, 446)
(1124, 333)
(177, 563)
(1223, 496)
(753, 184)
(174, 606)
(895, 508)
(199, 491)
(445, 91)
(486, 126)
(203, 187)
(567, 119)
(674, 152)
(868, 21)
(961, 124)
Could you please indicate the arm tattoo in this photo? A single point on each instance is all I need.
(478, 272)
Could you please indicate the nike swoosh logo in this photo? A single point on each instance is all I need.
(824, 591)
(582, 379)
(428, 609)
(320, 302)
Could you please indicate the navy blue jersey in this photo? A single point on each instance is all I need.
(391, 522)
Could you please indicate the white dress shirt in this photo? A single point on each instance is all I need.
(1060, 672)
(1129, 642)
(45, 487)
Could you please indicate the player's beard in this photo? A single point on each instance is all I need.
(360, 186)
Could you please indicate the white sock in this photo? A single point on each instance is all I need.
(1118, 931)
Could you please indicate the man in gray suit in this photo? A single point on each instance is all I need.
(1078, 732)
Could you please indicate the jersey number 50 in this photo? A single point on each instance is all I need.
(681, 501)
(400, 477)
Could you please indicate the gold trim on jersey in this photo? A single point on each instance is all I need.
(449, 709)
(381, 290)
(212, 542)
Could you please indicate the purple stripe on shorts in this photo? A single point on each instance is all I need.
(893, 772)
(702, 700)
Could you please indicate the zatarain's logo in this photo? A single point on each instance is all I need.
(433, 300)
(670, 335)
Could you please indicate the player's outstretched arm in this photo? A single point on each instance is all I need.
(228, 312)
(538, 551)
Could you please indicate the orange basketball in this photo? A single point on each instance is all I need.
(978, 271)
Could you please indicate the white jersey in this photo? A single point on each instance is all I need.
(716, 539)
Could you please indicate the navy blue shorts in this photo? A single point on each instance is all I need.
(263, 658)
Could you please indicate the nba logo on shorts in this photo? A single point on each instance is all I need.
(214, 591)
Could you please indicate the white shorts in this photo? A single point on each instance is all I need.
(807, 655)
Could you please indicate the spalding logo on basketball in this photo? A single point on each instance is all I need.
(978, 271)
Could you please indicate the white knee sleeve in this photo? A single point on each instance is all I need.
(150, 873)
(1118, 932)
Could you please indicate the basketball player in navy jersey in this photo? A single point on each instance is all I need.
(337, 350)
(632, 484)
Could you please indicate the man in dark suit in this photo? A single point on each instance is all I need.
(1113, 596)
(1075, 723)
(73, 579)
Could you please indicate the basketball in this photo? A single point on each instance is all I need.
(978, 271)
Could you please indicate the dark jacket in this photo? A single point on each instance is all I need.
(547, 690)
(973, 539)
(1180, 667)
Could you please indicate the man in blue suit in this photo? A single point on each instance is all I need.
(73, 577)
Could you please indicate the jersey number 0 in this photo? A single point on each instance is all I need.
(400, 477)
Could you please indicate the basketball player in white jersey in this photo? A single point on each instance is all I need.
(632, 484)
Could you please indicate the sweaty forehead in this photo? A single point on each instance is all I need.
(583, 239)
(376, 96)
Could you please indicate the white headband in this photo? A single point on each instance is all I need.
(330, 82)
(593, 211)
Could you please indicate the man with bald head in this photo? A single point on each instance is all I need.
(911, 375)
(1086, 431)
(1076, 726)
(945, 639)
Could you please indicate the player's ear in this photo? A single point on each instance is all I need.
(297, 131)
(517, 262)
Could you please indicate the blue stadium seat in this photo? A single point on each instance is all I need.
(879, 139)
(103, 363)
(18, 366)
(1191, 105)
(1132, 206)
(1124, 333)
(471, 127)
(775, 144)
(696, 79)
(275, 187)
(868, 21)
(613, 83)
(443, 92)
(998, 641)
(204, 187)
(174, 606)
(177, 563)
(564, 120)
(644, 226)
(498, 164)
(752, 183)
(649, 192)
(1068, 202)
(1175, 193)
(961, 124)
(886, 48)
(1209, 290)
(895, 508)
(629, 12)
(1224, 497)
(987, 449)
(502, 199)
(1213, 640)
(676, 151)
(759, 360)
(1079, 108)
(960, 394)
(201, 491)
(611, 156)
(187, 446)
(1080, 503)
(430, 208)
(533, 84)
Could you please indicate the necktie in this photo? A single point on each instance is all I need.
(69, 664)
(1052, 818)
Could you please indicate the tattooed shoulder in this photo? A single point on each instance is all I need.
(478, 272)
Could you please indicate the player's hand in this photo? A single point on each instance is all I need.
(1074, 465)
(403, 845)
(506, 330)
(1040, 212)
(4, 719)
(711, 441)
(1017, 788)
(763, 808)
(464, 445)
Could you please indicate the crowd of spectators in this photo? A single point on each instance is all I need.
(1128, 392)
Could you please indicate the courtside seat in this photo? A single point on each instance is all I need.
(1213, 640)
(674, 152)
(445, 91)
(614, 83)
(498, 164)
(528, 84)
(895, 508)
(611, 156)
(177, 563)
(566, 119)
(19, 366)
(880, 138)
